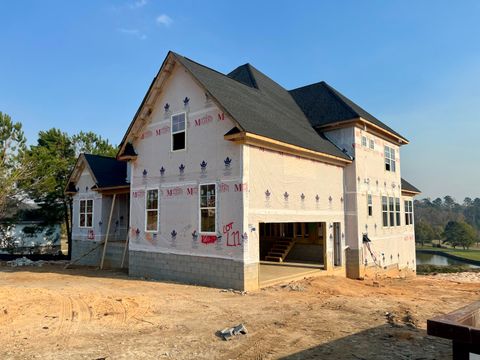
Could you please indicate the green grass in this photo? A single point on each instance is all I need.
(472, 254)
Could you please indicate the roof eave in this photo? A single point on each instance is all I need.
(265, 142)
(410, 192)
(361, 121)
(117, 189)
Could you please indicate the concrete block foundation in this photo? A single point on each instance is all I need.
(113, 256)
(196, 270)
(353, 266)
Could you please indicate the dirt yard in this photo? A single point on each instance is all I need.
(52, 313)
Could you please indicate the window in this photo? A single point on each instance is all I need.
(408, 212)
(364, 141)
(397, 211)
(369, 205)
(207, 208)
(178, 132)
(385, 210)
(389, 159)
(372, 144)
(391, 211)
(151, 209)
(86, 213)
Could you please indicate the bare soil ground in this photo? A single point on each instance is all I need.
(52, 313)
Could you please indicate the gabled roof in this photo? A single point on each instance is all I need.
(266, 109)
(107, 172)
(256, 104)
(406, 186)
(323, 105)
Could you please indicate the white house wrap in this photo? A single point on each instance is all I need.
(227, 171)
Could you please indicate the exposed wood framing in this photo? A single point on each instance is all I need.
(125, 251)
(108, 231)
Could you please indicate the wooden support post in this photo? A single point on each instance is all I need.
(125, 251)
(108, 231)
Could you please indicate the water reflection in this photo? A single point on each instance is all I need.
(436, 259)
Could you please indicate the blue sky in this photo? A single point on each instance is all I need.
(413, 64)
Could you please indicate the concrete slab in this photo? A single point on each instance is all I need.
(272, 274)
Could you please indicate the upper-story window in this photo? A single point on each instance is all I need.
(372, 144)
(86, 213)
(408, 212)
(179, 133)
(389, 159)
(364, 141)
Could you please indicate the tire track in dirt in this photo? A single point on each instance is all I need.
(64, 326)
(134, 310)
(119, 312)
(74, 313)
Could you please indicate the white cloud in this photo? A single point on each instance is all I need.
(138, 4)
(133, 32)
(164, 20)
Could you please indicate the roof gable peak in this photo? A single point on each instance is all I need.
(244, 74)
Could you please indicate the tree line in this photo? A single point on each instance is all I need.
(39, 173)
(447, 221)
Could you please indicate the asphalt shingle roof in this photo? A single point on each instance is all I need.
(108, 171)
(260, 106)
(409, 187)
(324, 105)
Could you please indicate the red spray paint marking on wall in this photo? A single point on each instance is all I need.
(241, 187)
(209, 239)
(174, 192)
(164, 130)
(233, 237)
(204, 120)
(192, 191)
(138, 194)
(146, 134)
(223, 188)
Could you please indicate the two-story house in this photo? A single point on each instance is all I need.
(229, 172)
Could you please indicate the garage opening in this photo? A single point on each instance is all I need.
(289, 243)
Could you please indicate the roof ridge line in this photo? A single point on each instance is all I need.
(305, 86)
(98, 155)
(218, 72)
(250, 75)
(195, 62)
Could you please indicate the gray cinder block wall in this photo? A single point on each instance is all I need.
(113, 255)
(353, 264)
(196, 270)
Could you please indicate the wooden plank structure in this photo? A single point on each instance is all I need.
(108, 231)
(462, 327)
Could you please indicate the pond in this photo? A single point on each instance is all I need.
(438, 259)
